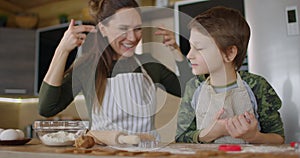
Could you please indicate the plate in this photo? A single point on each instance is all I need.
(14, 142)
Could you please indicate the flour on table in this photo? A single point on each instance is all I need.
(187, 150)
(265, 149)
(157, 149)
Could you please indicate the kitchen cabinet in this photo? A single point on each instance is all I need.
(17, 61)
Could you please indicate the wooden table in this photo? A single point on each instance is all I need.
(37, 150)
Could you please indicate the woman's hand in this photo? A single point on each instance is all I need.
(74, 36)
(168, 37)
(243, 126)
(170, 41)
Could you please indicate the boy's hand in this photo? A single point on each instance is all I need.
(242, 126)
(220, 126)
(216, 130)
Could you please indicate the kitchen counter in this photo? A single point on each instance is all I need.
(37, 150)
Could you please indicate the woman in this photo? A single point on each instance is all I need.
(118, 85)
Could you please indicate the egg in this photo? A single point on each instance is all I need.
(21, 134)
(9, 134)
(1, 130)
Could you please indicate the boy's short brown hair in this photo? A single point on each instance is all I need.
(227, 27)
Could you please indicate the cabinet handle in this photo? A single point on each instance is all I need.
(15, 91)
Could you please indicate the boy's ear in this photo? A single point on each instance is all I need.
(102, 29)
(230, 54)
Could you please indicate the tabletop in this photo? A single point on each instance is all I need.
(34, 149)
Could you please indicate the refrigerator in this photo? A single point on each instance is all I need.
(274, 53)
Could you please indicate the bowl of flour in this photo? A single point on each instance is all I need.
(59, 133)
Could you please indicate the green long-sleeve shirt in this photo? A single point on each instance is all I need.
(267, 100)
(53, 100)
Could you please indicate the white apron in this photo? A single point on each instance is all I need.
(235, 101)
(129, 104)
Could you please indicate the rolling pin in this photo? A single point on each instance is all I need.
(113, 137)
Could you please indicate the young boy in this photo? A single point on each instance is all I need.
(224, 108)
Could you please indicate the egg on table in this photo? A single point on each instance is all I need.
(21, 134)
(11, 134)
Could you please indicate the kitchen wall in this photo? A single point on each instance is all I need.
(276, 55)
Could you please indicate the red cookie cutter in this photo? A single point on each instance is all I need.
(226, 147)
(292, 144)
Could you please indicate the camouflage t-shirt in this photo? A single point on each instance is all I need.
(267, 100)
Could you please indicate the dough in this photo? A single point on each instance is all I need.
(84, 142)
(81, 151)
(64, 150)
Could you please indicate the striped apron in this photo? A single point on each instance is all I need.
(235, 101)
(129, 104)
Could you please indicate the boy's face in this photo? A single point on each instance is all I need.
(204, 55)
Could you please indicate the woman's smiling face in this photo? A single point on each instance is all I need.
(124, 31)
